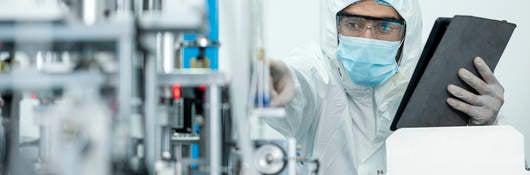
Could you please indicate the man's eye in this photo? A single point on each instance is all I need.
(353, 25)
(386, 27)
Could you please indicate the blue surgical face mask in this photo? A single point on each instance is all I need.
(368, 62)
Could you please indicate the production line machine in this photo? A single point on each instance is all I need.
(120, 87)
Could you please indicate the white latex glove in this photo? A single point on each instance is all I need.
(282, 90)
(483, 107)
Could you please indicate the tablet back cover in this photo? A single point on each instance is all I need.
(466, 37)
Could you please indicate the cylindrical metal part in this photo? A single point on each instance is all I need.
(165, 52)
(152, 5)
(169, 51)
(123, 5)
(166, 151)
(88, 11)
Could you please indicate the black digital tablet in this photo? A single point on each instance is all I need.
(452, 44)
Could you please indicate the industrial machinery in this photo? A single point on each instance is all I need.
(133, 87)
(61, 80)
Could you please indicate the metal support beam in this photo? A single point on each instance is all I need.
(214, 130)
(150, 114)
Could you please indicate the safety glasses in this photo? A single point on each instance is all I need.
(388, 29)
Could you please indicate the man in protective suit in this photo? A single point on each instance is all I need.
(341, 95)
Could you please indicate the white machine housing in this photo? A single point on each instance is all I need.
(484, 150)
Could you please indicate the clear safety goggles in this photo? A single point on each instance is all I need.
(388, 29)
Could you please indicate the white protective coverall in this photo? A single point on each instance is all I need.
(341, 124)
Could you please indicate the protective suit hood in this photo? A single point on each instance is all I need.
(408, 9)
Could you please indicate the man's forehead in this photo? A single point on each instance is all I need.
(371, 8)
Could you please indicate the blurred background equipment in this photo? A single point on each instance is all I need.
(133, 87)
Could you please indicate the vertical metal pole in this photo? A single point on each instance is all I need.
(214, 130)
(3, 146)
(123, 5)
(150, 114)
(165, 146)
(236, 51)
(44, 143)
(126, 49)
(291, 156)
(13, 130)
(178, 157)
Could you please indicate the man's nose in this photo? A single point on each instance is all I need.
(368, 33)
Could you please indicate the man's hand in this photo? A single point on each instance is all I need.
(282, 83)
(484, 107)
